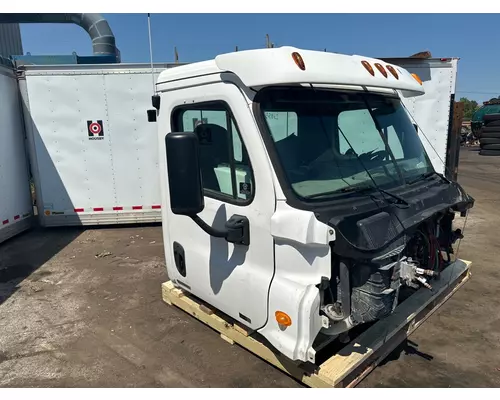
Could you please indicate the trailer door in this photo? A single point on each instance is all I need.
(433, 111)
(15, 197)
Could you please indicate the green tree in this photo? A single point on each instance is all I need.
(470, 107)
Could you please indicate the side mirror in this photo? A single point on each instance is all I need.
(416, 127)
(184, 175)
(186, 188)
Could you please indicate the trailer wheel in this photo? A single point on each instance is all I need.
(490, 135)
(491, 117)
(491, 147)
(484, 141)
(489, 152)
(490, 128)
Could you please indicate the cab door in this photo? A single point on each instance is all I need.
(237, 180)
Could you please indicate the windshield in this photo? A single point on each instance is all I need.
(327, 140)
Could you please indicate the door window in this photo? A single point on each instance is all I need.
(225, 166)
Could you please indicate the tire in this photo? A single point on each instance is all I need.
(493, 123)
(483, 141)
(491, 147)
(489, 152)
(491, 117)
(490, 128)
(490, 135)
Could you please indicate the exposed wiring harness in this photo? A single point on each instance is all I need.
(425, 249)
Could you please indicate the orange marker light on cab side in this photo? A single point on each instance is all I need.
(381, 69)
(368, 67)
(391, 69)
(298, 60)
(283, 318)
(417, 78)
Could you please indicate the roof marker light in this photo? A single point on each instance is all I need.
(381, 69)
(391, 69)
(298, 60)
(417, 78)
(368, 67)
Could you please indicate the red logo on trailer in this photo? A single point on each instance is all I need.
(95, 130)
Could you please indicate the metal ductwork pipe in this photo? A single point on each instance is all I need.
(103, 40)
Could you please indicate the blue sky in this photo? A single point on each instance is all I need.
(202, 36)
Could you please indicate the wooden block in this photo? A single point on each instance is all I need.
(229, 340)
(244, 331)
(206, 309)
(177, 292)
(167, 301)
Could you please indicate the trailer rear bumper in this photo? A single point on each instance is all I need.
(14, 227)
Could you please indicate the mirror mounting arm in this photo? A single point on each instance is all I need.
(208, 229)
(237, 229)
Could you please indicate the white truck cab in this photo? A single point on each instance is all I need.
(297, 197)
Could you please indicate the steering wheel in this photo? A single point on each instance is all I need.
(381, 154)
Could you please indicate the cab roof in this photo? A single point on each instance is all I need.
(277, 66)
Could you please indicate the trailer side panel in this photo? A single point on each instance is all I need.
(95, 152)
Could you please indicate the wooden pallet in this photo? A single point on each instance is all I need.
(357, 359)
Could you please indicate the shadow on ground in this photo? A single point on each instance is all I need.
(22, 255)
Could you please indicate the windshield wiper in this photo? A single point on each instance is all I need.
(427, 175)
(361, 189)
(350, 188)
(364, 188)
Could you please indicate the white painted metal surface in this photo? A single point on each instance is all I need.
(432, 110)
(93, 152)
(15, 197)
(302, 258)
(234, 278)
(276, 66)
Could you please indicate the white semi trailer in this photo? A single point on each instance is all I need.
(15, 196)
(91, 150)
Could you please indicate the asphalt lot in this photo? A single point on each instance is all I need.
(83, 308)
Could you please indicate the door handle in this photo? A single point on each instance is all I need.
(180, 259)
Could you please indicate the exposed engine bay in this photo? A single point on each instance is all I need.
(365, 290)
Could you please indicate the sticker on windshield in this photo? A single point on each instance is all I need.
(245, 188)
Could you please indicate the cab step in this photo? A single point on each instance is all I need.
(349, 366)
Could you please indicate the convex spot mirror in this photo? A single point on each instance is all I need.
(151, 115)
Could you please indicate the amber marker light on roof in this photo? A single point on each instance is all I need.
(368, 67)
(391, 69)
(381, 69)
(298, 60)
(417, 78)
